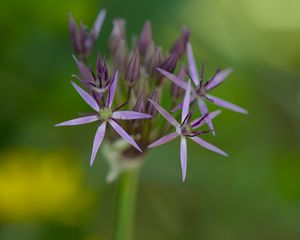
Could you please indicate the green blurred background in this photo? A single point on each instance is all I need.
(47, 190)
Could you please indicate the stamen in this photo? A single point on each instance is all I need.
(122, 105)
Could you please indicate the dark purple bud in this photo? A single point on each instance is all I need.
(150, 109)
(146, 38)
(140, 104)
(152, 61)
(176, 91)
(133, 69)
(181, 42)
(74, 34)
(169, 64)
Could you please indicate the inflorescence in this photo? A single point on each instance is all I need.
(137, 77)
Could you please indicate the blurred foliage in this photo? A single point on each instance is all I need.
(47, 190)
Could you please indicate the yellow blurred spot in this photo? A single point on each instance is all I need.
(37, 185)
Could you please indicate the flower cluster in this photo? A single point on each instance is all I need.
(137, 76)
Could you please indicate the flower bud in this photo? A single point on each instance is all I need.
(140, 104)
(152, 61)
(150, 109)
(169, 64)
(102, 72)
(117, 35)
(133, 69)
(181, 42)
(145, 40)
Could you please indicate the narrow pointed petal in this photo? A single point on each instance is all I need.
(98, 23)
(129, 115)
(228, 105)
(112, 90)
(183, 157)
(218, 79)
(180, 105)
(208, 146)
(163, 140)
(186, 102)
(201, 121)
(192, 65)
(97, 141)
(78, 121)
(165, 114)
(85, 72)
(124, 134)
(203, 109)
(179, 82)
(86, 97)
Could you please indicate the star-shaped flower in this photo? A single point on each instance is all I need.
(105, 115)
(185, 129)
(200, 90)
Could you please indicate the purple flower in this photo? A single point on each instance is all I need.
(105, 115)
(187, 129)
(200, 90)
(82, 40)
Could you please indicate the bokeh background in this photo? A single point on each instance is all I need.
(47, 190)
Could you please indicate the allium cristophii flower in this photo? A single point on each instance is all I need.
(185, 129)
(201, 89)
(141, 69)
(105, 114)
(82, 39)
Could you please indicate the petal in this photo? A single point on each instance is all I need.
(201, 120)
(129, 115)
(85, 72)
(163, 140)
(98, 23)
(165, 114)
(97, 141)
(180, 105)
(124, 134)
(186, 102)
(86, 97)
(179, 82)
(204, 110)
(218, 79)
(192, 65)
(208, 146)
(228, 105)
(112, 90)
(78, 121)
(183, 157)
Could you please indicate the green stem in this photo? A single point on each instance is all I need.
(126, 197)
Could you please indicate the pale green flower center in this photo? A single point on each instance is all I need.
(105, 114)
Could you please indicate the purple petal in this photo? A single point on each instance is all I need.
(204, 110)
(124, 134)
(208, 146)
(98, 23)
(78, 121)
(218, 79)
(112, 90)
(86, 97)
(97, 141)
(201, 120)
(228, 105)
(85, 72)
(183, 157)
(192, 65)
(186, 102)
(129, 115)
(165, 114)
(179, 82)
(163, 140)
(180, 105)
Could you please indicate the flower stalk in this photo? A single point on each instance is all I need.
(127, 186)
